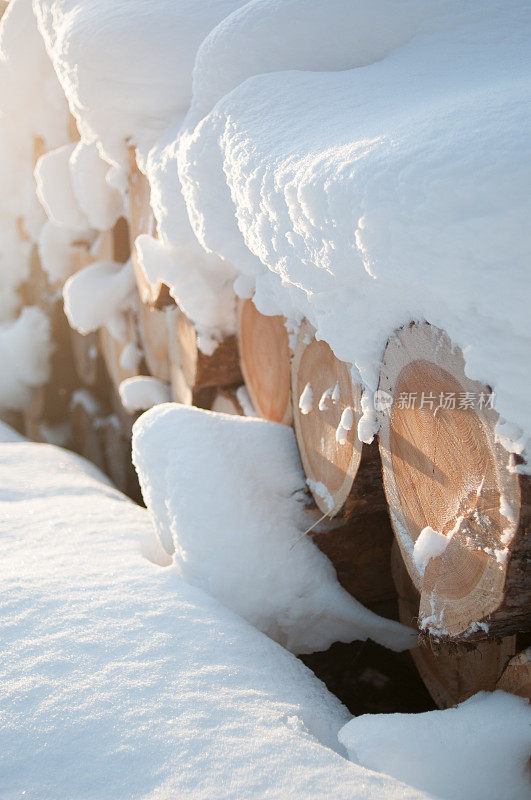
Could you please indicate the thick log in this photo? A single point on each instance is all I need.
(154, 331)
(450, 672)
(326, 410)
(447, 478)
(193, 372)
(265, 362)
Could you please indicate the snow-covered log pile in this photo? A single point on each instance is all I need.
(329, 233)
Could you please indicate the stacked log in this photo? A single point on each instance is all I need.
(432, 518)
(263, 347)
(443, 470)
(448, 480)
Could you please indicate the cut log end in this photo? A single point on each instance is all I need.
(451, 672)
(265, 362)
(326, 410)
(516, 677)
(192, 371)
(454, 496)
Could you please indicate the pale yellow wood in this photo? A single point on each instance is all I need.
(516, 677)
(327, 462)
(155, 338)
(443, 468)
(192, 370)
(112, 349)
(450, 674)
(85, 355)
(141, 220)
(265, 362)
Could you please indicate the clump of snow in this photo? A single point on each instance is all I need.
(245, 401)
(345, 425)
(130, 357)
(429, 544)
(318, 488)
(25, 349)
(361, 198)
(98, 294)
(120, 680)
(477, 751)
(332, 393)
(226, 495)
(143, 392)
(55, 190)
(59, 248)
(306, 399)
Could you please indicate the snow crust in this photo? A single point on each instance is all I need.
(369, 197)
(476, 751)
(225, 494)
(120, 680)
(121, 92)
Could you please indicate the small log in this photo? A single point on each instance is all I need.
(87, 434)
(265, 362)
(49, 406)
(443, 469)
(112, 351)
(326, 410)
(141, 220)
(155, 339)
(516, 677)
(192, 371)
(118, 464)
(450, 672)
(86, 356)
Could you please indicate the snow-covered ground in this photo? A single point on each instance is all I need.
(119, 679)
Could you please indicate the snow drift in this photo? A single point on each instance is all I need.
(226, 495)
(120, 680)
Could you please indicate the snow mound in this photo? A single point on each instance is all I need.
(225, 493)
(126, 68)
(476, 751)
(119, 680)
(395, 191)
